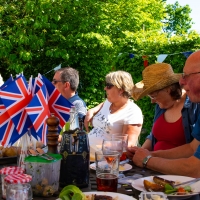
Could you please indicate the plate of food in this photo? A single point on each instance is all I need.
(106, 196)
(122, 168)
(164, 183)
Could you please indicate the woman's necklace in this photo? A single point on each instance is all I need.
(114, 109)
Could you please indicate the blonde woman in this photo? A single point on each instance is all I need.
(117, 115)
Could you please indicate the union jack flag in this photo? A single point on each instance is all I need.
(7, 82)
(35, 85)
(15, 97)
(7, 127)
(24, 107)
(38, 112)
(58, 104)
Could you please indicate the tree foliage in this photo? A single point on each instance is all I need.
(177, 19)
(89, 35)
(152, 44)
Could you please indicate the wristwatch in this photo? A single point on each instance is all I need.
(145, 160)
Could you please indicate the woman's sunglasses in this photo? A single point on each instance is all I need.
(109, 85)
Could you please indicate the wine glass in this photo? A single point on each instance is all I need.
(124, 138)
(112, 145)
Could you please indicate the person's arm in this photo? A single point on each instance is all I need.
(183, 151)
(89, 115)
(180, 160)
(133, 131)
(147, 144)
(182, 166)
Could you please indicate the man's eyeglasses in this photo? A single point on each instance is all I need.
(184, 76)
(109, 85)
(54, 81)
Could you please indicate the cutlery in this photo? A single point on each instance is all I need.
(187, 182)
(42, 153)
(32, 152)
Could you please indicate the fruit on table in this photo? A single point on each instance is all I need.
(71, 192)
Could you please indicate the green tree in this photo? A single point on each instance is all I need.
(177, 19)
(89, 35)
(152, 44)
(37, 35)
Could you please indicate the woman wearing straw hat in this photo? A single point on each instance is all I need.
(175, 115)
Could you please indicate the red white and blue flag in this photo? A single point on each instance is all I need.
(38, 112)
(24, 107)
(7, 82)
(58, 104)
(15, 98)
(7, 127)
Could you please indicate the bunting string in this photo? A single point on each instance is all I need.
(160, 57)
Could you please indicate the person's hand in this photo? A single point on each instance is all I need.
(139, 156)
(130, 151)
(88, 120)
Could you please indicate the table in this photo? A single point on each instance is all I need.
(124, 189)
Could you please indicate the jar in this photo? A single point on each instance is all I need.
(19, 192)
(17, 184)
(8, 171)
(45, 174)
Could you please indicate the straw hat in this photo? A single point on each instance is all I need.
(155, 77)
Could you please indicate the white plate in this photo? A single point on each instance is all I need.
(122, 168)
(138, 184)
(112, 194)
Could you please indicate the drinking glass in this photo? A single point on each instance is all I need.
(112, 145)
(107, 170)
(19, 192)
(124, 138)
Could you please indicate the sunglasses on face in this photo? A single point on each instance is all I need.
(109, 85)
(54, 81)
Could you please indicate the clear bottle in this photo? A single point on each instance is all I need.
(73, 120)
